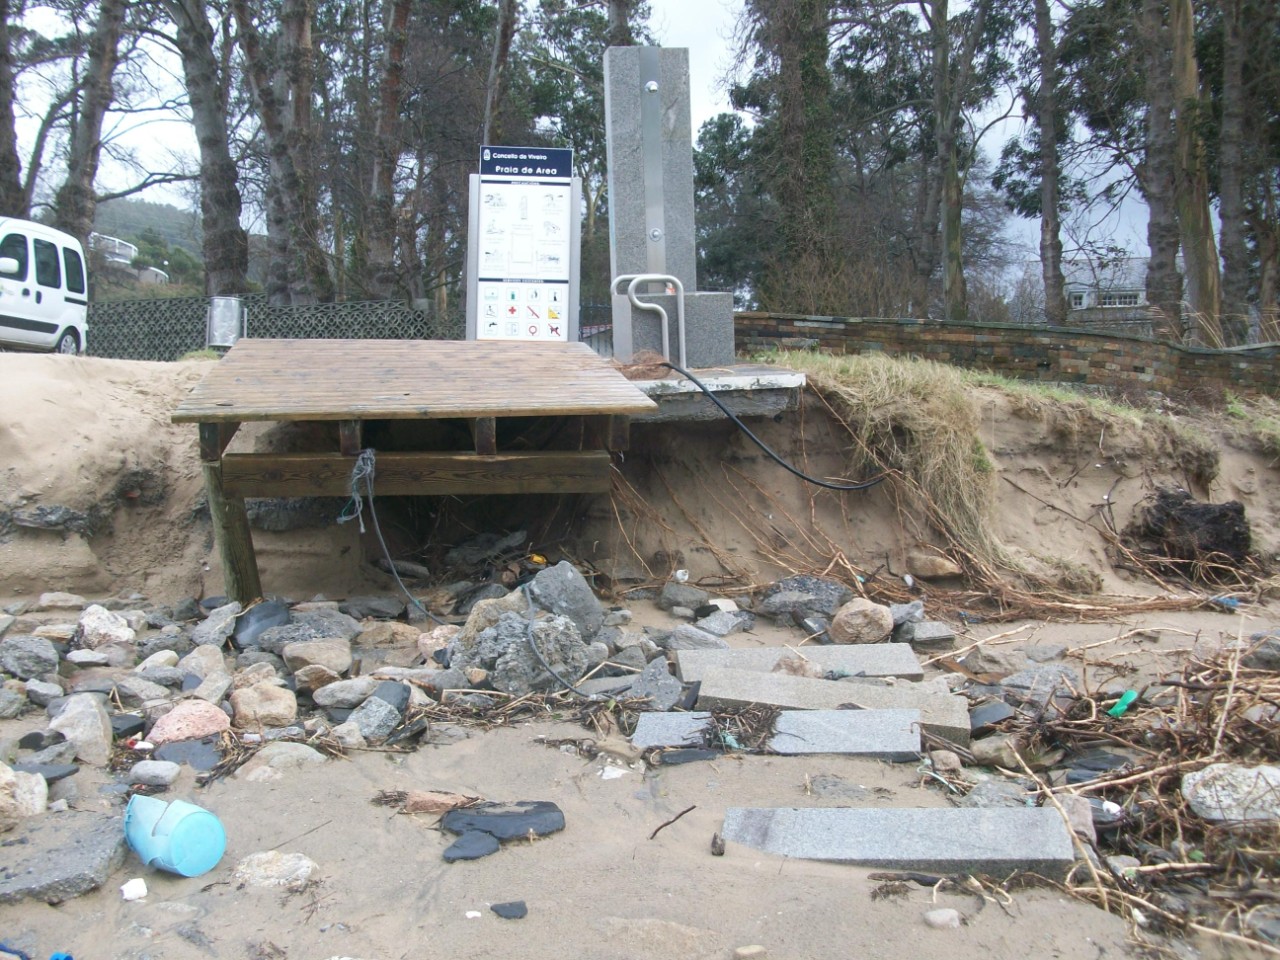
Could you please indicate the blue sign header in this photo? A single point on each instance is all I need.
(526, 163)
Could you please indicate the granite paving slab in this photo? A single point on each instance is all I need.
(883, 734)
(944, 715)
(869, 660)
(940, 840)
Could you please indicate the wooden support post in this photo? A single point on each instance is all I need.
(486, 435)
(351, 437)
(619, 432)
(214, 438)
(610, 432)
(235, 542)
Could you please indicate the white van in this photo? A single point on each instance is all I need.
(44, 288)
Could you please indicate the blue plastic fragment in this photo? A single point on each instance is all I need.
(1226, 603)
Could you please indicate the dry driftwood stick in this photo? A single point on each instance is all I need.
(662, 826)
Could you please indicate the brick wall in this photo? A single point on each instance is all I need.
(1058, 354)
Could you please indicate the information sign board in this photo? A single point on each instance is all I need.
(522, 252)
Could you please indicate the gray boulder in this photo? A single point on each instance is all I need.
(688, 637)
(311, 625)
(504, 651)
(64, 855)
(563, 590)
(794, 598)
(27, 657)
(676, 594)
(217, 627)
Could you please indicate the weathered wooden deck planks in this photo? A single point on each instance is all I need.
(408, 379)
(351, 381)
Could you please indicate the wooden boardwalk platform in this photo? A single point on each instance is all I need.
(353, 381)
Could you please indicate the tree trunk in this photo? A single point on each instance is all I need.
(13, 199)
(293, 224)
(805, 160)
(620, 34)
(382, 215)
(1164, 284)
(950, 86)
(504, 33)
(1055, 296)
(1235, 250)
(1191, 186)
(225, 243)
(75, 202)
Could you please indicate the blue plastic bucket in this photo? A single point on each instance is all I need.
(175, 835)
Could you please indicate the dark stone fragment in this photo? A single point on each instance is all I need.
(515, 910)
(670, 758)
(690, 697)
(190, 682)
(472, 845)
(338, 714)
(393, 693)
(186, 609)
(52, 772)
(1100, 761)
(259, 617)
(410, 730)
(706, 610)
(210, 604)
(39, 739)
(380, 608)
(986, 715)
(125, 725)
(203, 754)
(507, 821)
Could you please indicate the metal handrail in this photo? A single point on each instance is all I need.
(635, 279)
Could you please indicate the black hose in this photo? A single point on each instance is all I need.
(863, 485)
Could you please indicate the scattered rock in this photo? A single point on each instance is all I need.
(203, 661)
(438, 638)
(505, 651)
(263, 705)
(99, 626)
(514, 910)
(375, 719)
(57, 600)
(562, 590)
(260, 617)
(83, 720)
(334, 655)
(1038, 685)
(155, 773)
(506, 821)
(272, 868)
(928, 565)
(676, 594)
(381, 608)
(946, 761)
(944, 918)
(312, 677)
(472, 845)
(802, 596)
(319, 624)
(28, 657)
(12, 703)
(41, 693)
(389, 634)
(215, 629)
(348, 735)
(688, 637)
(189, 720)
(1230, 791)
(63, 856)
(725, 623)
(658, 686)
(213, 688)
(751, 952)
(861, 621)
(345, 694)
(997, 751)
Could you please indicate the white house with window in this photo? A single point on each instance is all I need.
(1110, 293)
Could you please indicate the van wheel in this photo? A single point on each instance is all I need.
(68, 344)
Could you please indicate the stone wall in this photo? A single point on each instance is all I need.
(1055, 354)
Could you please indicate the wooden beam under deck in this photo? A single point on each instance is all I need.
(417, 474)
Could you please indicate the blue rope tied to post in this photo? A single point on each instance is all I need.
(361, 472)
